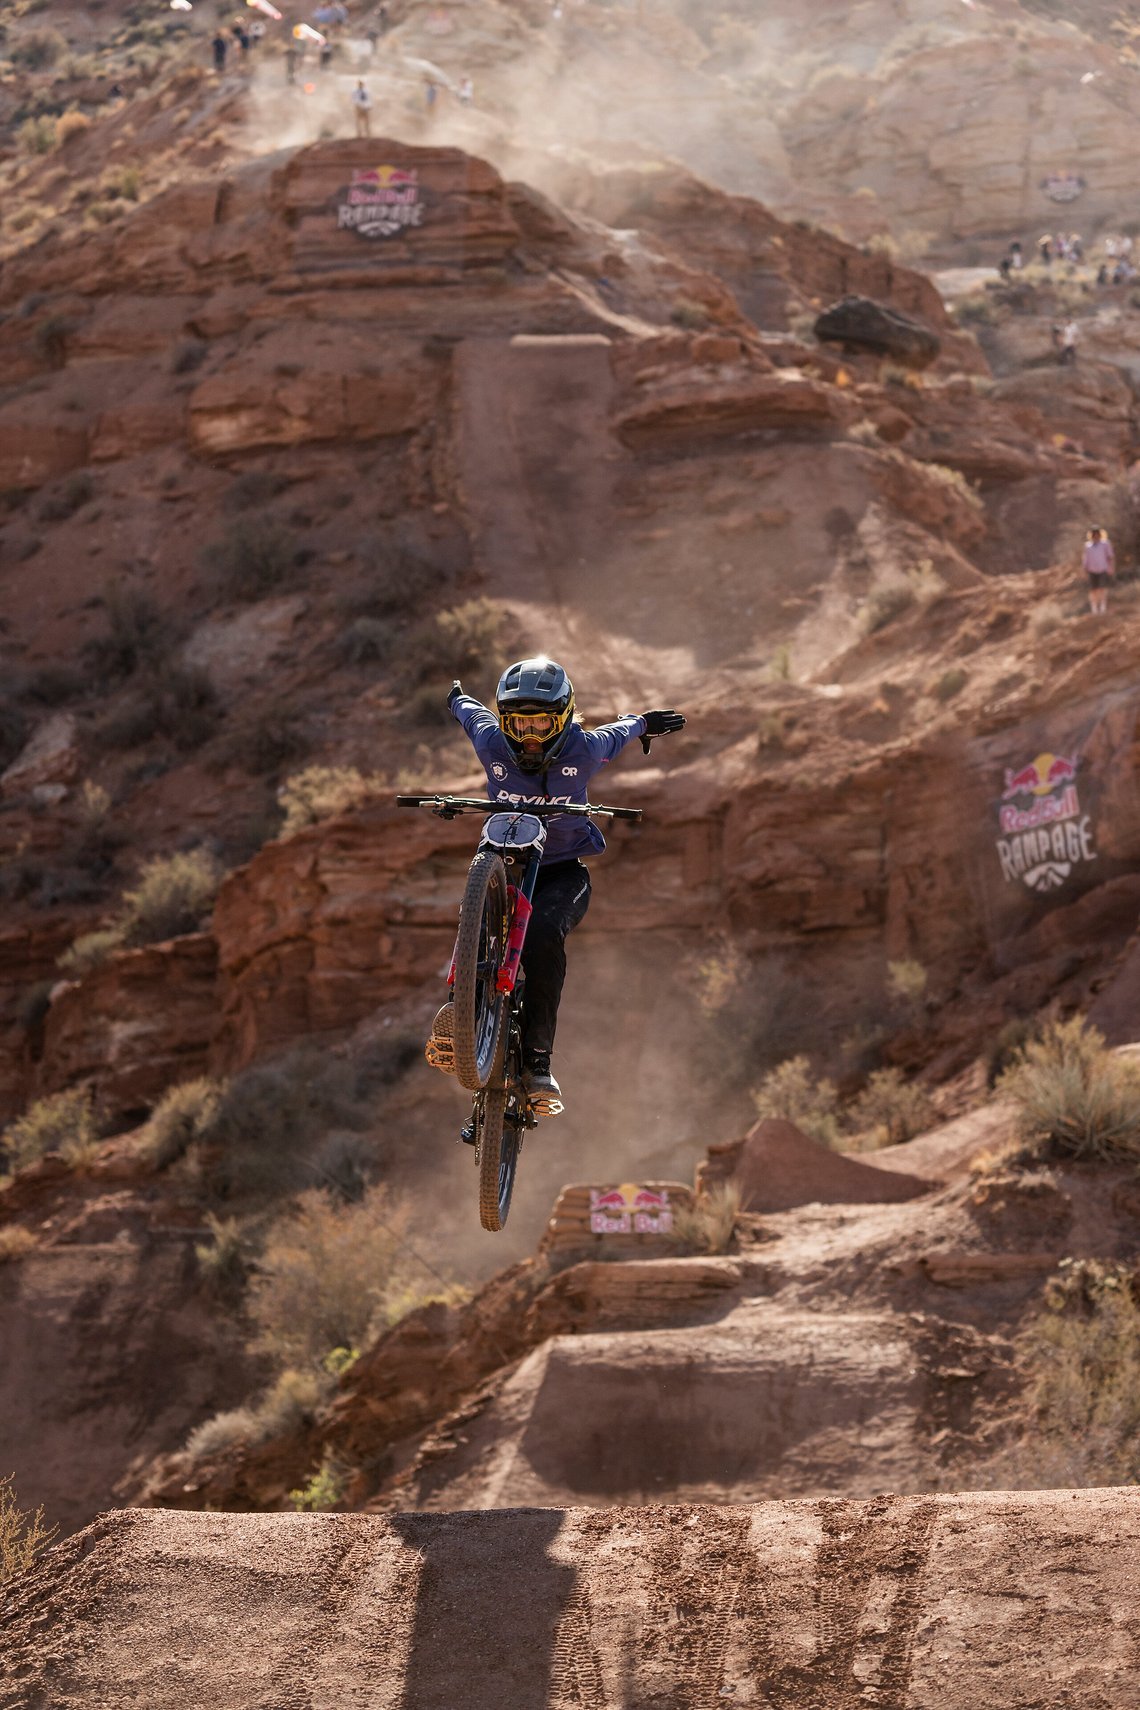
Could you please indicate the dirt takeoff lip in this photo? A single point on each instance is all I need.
(965, 1602)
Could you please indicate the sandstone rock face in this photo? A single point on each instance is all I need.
(858, 323)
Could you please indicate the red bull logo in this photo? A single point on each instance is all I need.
(1044, 834)
(381, 201)
(630, 1210)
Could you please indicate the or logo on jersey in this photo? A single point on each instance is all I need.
(569, 771)
(498, 770)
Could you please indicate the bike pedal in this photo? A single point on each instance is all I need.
(547, 1106)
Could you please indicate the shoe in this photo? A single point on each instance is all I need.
(540, 1086)
(440, 1048)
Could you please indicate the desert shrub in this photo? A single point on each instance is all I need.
(182, 1117)
(906, 986)
(252, 489)
(709, 1224)
(327, 1272)
(34, 1005)
(221, 1259)
(38, 49)
(53, 684)
(37, 135)
(270, 1116)
(271, 740)
(458, 641)
(717, 979)
(366, 641)
(886, 601)
(125, 184)
(1075, 1097)
(90, 950)
(780, 664)
(101, 212)
(13, 732)
(71, 124)
(188, 354)
(173, 895)
(896, 1108)
(976, 310)
(70, 496)
(793, 1092)
(1004, 1047)
(882, 243)
(224, 1431)
(690, 315)
(23, 1535)
(322, 1492)
(322, 792)
(50, 340)
(951, 683)
(772, 731)
(16, 1242)
(179, 703)
(1046, 617)
(342, 1164)
(136, 633)
(64, 1122)
(252, 559)
(956, 482)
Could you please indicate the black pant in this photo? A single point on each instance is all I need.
(561, 898)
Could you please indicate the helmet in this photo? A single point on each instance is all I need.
(535, 699)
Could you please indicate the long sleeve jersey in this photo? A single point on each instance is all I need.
(566, 779)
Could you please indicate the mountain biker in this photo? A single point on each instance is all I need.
(534, 750)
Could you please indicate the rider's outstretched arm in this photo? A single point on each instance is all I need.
(479, 722)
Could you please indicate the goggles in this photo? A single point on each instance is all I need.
(532, 726)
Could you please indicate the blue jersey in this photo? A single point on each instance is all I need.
(565, 780)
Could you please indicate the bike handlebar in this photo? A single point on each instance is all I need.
(448, 807)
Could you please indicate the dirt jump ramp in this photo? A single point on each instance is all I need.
(988, 1601)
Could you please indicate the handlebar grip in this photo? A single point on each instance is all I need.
(413, 801)
(624, 813)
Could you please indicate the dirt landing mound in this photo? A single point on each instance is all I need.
(776, 1168)
(980, 1602)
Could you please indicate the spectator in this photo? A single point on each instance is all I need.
(220, 47)
(382, 19)
(324, 59)
(1098, 563)
(1102, 273)
(1067, 343)
(431, 94)
(466, 91)
(1004, 266)
(1015, 256)
(241, 37)
(362, 107)
(1045, 249)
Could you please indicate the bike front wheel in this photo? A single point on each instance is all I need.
(479, 1006)
(499, 1137)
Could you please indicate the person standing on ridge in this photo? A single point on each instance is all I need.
(1098, 563)
(220, 47)
(533, 750)
(362, 107)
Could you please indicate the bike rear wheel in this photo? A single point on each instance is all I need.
(480, 948)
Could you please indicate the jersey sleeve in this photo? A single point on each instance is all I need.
(479, 723)
(608, 740)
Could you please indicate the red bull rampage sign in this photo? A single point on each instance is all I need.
(1045, 834)
(630, 1210)
(380, 203)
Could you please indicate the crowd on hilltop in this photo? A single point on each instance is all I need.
(1068, 248)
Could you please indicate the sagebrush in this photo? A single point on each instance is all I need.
(1074, 1096)
(794, 1092)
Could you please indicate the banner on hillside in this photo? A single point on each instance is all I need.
(1045, 832)
(381, 202)
(1063, 186)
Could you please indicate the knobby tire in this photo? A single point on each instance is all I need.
(498, 1145)
(478, 1008)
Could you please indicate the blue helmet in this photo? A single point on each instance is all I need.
(535, 701)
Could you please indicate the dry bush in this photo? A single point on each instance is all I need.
(886, 601)
(1004, 1047)
(709, 1224)
(90, 950)
(896, 1108)
(366, 641)
(328, 1271)
(70, 496)
(181, 1118)
(690, 315)
(13, 732)
(37, 136)
(1046, 617)
(174, 894)
(951, 683)
(222, 1259)
(956, 482)
(322, 792)
(23, 1535)
(253, 489)
(179, 703)
(136, 636)
(1075, 1097)
(253, 559)
(50, 340)
(38, 49)
(15, 1242)
(270, 1117)
(460, 641)
(71, 124)
(263, 745)
(322, 1492)
(64, 1122)
(288, 1405)
(188, 354)
(238, 1425)
(793, 1092)
(906, 987)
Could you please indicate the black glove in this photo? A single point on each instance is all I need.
(456, 689)
(661, 723)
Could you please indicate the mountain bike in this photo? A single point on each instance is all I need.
(487, 983)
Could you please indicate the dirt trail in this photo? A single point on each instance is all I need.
(980, 1602)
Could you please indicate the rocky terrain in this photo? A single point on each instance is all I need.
(266, 486)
